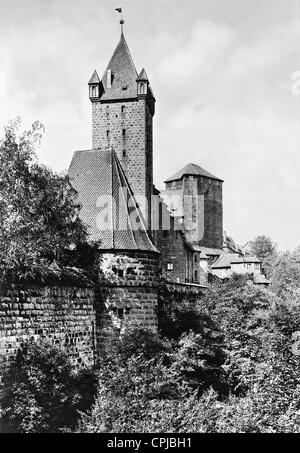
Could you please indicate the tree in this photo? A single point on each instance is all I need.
(265, 250)
(286, 280)
(45, 393)
(39, 212)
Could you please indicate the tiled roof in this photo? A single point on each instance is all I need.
(109, 208)
(227, 259)
(224, 261)
(206, 250)
(192, 170)
(123, 73)
(246, 259)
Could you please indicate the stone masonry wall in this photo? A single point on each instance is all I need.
(171, 297)
(64, 315)
(86, 320)
(202, 209)
(129, 297)
(127, 127)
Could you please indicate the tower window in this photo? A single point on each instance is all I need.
(123, 132)
(170, 266)
(123, 109)
(107, 133)
(196, 275)
(124, 152)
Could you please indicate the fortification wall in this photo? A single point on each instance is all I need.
(64, 315)
(83, 318)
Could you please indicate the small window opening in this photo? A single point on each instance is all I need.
(124, 152)
(107, 133)
(123, 132)
(123, 108)
(170, 266)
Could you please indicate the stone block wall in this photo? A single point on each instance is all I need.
(202, 202)
(126, 126)
(129, 296)
(173, 295)
(63, 315)
(87, 320)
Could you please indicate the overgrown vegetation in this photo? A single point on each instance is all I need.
(237, 370)
(40, 230)
(46, 393)
(241, 376)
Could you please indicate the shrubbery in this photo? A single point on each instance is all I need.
(45, 393)
(234, 371)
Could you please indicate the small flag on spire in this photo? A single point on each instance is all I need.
(119, 10)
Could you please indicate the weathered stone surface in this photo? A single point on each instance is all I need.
(86, 320)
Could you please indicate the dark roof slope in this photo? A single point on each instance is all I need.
(123, 72)
(226, 260)
(192, 170)
(109, 208)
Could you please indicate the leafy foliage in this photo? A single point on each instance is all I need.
(286, 280)
(263, 248)
(241, 375)
(39, 213)
(46, 394)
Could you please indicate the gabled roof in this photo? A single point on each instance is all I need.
(192, 170)
(226, 260)
(123, 73)
(109, 208)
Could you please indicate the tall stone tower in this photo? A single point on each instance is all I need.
(123, 106)
(196, 196)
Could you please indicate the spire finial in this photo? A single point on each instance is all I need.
(121, 21)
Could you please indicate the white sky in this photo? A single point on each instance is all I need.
(221, 73)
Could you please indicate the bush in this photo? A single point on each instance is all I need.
(45, 394)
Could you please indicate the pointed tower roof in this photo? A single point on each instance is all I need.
(109, 208)
(94, 78)
(192, 170)
(123, 74)
(142, 75)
